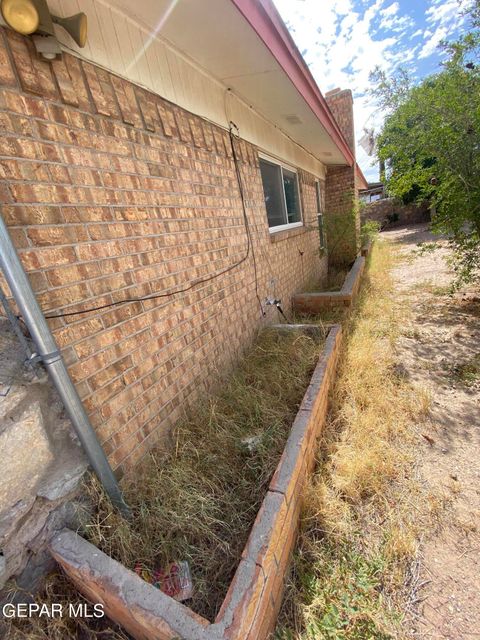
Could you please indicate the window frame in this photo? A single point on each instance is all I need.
(283, 165)
(320, 212)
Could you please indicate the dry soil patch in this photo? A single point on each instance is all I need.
(439, 339)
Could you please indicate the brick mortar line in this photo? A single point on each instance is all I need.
(80, 262)
(119, 122)
(165, 348)
(71, 306)
(153, 338)
(198, 364)
(230, 289)
(225, 160)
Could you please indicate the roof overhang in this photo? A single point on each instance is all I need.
(245, 45)
(362, 181)
(264, 18)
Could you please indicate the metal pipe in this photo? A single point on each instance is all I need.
(52, 359)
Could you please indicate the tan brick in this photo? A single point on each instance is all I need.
(100, 89)
(67, 90)
(35, 74)
(54, 236)
(7, 75)
(127, 101)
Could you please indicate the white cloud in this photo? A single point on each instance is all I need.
(431, 41)
(443, 18)
(344, 46)
(346, 39)
(392, 10)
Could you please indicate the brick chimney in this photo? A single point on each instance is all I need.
(340, 102)
(341, 193)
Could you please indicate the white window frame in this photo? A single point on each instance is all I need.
(284, 165)
(318, 197)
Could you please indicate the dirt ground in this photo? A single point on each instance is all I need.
(439, 342)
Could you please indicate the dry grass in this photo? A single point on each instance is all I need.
(360, 522)
(199, 501)
(334, 281)
(59, 590)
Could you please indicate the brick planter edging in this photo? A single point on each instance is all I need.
(251, 605)
(316, 301)
(366, 248)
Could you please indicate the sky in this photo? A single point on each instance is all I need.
(343, 40)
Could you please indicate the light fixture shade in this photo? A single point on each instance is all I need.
(20, 15)
(75, 25)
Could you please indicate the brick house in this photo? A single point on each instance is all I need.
(119, 183)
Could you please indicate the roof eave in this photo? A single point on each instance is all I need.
(269, 26)
(361, 178)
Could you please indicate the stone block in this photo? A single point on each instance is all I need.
(25, 451)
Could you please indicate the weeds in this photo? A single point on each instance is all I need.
(369, 231)
(359, 530)
(468, 373)
(198, 501)
(59, 590)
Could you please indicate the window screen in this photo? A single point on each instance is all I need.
(292, 199)
(282, 197)
(272, 189)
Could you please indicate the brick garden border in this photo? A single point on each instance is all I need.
(251, 605)
(317, 301)
(366, 248)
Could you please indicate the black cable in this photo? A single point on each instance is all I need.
(279, 308)
(247, 225)
(195, 282)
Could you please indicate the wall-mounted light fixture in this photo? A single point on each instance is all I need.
(33, 17)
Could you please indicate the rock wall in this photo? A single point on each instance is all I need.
(390, 212)
(42, 465)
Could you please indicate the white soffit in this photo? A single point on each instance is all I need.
(217, 38)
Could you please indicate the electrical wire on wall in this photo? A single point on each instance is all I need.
(234, 137)
(266, 257)
(50, 315)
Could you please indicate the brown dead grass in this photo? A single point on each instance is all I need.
(362, 513)
(198, 501)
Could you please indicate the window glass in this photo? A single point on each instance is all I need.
(292, 198)
(272, 189)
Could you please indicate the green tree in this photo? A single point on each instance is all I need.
(430, 143)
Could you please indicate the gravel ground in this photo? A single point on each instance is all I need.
(437, 348)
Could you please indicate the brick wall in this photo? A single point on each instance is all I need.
(110, 193)
(341, 213)
(340, 103)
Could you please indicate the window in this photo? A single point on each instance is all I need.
(321, 229)
(282, 196)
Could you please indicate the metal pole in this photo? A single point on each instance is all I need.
(52, 359)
